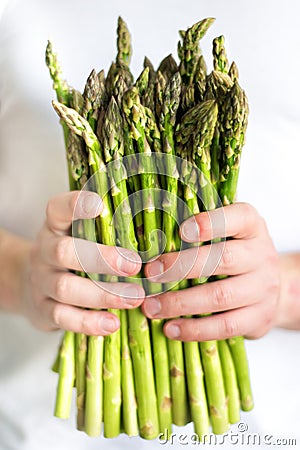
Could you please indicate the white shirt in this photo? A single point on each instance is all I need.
(262, 37)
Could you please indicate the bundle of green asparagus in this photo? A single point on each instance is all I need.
(157, 149)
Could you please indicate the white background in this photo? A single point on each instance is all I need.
(262, 36)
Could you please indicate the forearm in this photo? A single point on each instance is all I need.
(14, 256)
(289, 302)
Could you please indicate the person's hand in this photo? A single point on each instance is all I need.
(58, 298)
(245, 303)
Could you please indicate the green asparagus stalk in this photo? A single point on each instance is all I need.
(66, 376)
(93, 95)
(233, 72)
(148, 98)
(112, 383)
(139, 332)
(144, 127)
(189, 50)
(168, 67)
(200, 79)
(167, 126)
(196, 389)
(94, 386)
(62, 90)
(160, 86)
(142, 82)
(123, 43)
(80, 379)
(129, 405)
(194, 138)
(233, 128)
(219, 54)
(78, 171)
(136, 116)
(230, 381)
(239, 356)
(79, 126)
(169, 107)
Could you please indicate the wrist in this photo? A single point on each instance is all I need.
(288, 313)
(14, 263)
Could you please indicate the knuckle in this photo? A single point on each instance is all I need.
(176, 304)
(73, 200)
(228, 327)
(61, 287)
(60, 250)
(56, 315)
(85, 326)
(109, 300)
(204, 224)
(88, 324)
(222, 296)
(49, 211)
(273, 259)
(102, 261)
(227, 260)
(250, 215)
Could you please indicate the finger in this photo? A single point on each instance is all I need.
(239, 220)
(66, 317)
(217, 296)
(71, 289)
(253, 320)
(79, 254)
(223, 258)
(64, 208)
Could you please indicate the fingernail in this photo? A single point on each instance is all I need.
(155, 268)
(108, 325)
(190, 230)
(152, 306)
(132, 294)
(127, 261)
(173, 331)
(91, 204)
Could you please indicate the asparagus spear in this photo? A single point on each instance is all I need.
(200, 79)
(148, 99)
(160, 86)
(196, 389)
(129, 405)
(66, 376)
(167, 125)
(76, 156)
(230, 382)
(168, 67)
(123, 43)
(78, 125)
(189, 50)
(233, 72)
(233, 128)
(62, 90)
(144, 126)
(194, 138)
(142, 82)
(136, 116)
(78, 175)
(139, 332)
(219, 54)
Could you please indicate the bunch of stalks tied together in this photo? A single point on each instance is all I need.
(171, 137)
